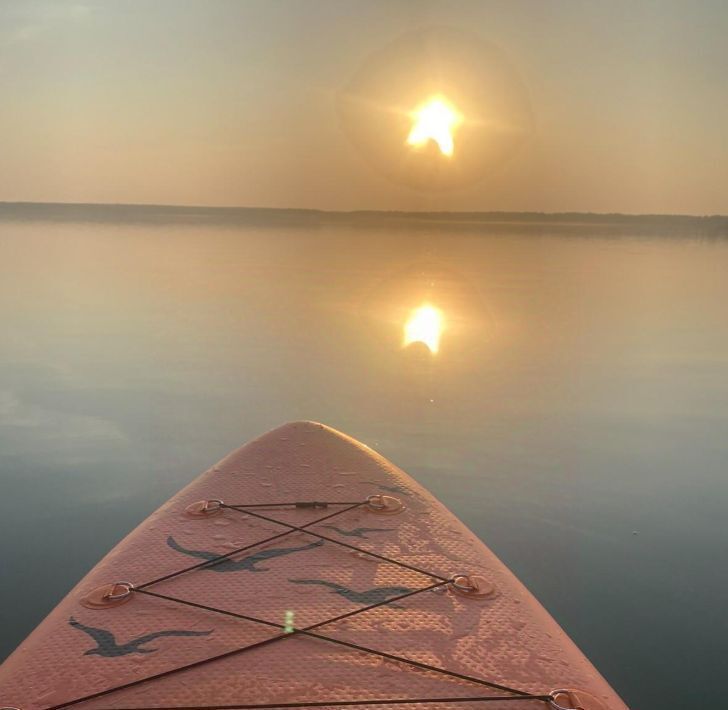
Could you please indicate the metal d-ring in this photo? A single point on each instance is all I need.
(380, 504)
(113, 597)
(212, 505)
(561, 691)
(459, 585)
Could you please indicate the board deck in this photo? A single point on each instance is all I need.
(88, 646)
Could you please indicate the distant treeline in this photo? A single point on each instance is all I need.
(538, 222)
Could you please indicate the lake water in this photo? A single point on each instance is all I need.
(575, 416)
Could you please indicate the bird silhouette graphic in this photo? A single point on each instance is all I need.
(247, 563)
(107, 646)
(356, 532)
(371, 596)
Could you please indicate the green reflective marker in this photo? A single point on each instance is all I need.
(288, 628)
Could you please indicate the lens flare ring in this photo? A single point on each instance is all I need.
(437, 109)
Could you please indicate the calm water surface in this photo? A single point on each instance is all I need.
(580, 396)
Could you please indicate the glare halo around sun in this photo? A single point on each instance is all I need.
(436, 109)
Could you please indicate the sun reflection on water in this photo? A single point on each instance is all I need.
(424, 326)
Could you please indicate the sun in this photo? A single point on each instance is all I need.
(435, 120)
(424, 326)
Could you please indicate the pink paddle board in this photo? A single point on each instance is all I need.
(303, 570)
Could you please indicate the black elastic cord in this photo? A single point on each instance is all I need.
(215, 560)
(296, 504)
(339, 542)
(344, 703)
(518, 695)
(348, 644)
(236, 651)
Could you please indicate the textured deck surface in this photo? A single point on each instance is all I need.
(506, 638)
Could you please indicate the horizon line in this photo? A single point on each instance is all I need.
(365, 211)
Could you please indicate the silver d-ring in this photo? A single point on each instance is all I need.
(212, 505)
(380, 504)
(459, 585)
(113, 596)
(561, 691)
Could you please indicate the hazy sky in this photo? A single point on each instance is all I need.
(234, 103)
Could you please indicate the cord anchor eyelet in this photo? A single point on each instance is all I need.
(126, 589)
(108, 596)
(472, 585)
(554, 702)
(384, 505)
(205, 508)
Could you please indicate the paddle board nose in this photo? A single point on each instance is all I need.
(300, 568)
